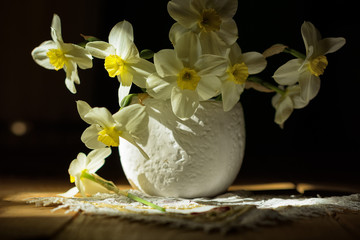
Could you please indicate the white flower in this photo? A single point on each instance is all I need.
(212, 20)
(106, 129)
(239, 68)
(286, 102)
(185, 76)
(55, 54)
(307, 71)
(87, 164)
(122, 58)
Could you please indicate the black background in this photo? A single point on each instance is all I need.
(318, 143)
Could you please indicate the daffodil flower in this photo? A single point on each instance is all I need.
(55, 55)
(211, 20)
(83, 165)
(306, 71)
(239, 68)
(185, 76)
(284, 103)
(106, 129)
(122, 58)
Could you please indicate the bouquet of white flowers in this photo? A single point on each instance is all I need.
(206, 63)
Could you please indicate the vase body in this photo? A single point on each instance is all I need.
(197, 157)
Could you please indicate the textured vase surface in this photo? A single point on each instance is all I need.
(198, 157)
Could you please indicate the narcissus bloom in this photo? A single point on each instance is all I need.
(106, 129)
(211, 20)
(240, 65)
(55, 55)
(185, 76)
(87, 164)
(284, 103)
(307, 71)
(122, 58)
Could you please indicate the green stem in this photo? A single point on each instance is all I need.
(294, 53)
(266, 84)
(112, 187)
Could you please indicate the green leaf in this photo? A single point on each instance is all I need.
(146, 54)
(127, 100)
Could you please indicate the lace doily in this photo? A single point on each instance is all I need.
(227, 211)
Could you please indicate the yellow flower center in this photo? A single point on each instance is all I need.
(57, 58)
(188, 79)
(114, 65)
(210, 20)
(238, 73)
(317, 65)
(72, 179)
(109, 136)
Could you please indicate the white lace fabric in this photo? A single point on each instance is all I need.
(231, 210)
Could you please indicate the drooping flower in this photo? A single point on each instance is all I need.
(55, 55)
(106, 129)
(284, 103)
(186, 76)
(307, 71)
(212, 20)
(87, 165)
(240, 66)
(122, 58)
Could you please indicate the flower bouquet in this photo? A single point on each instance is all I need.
(183, 134)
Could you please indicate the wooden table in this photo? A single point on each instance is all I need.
(19, 220)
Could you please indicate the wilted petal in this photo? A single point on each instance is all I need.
(284, 107)
(184, 102)
(288, 74)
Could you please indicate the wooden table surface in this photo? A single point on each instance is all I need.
(19, 220)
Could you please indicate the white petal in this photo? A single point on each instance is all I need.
(182, 12)
(184, 102)
(39, 54)
(83, 109)
(121, 37)
(188, 48)
(284, 108)
(209, 86)
(309, 85)
(72, 76)
(90, 136)
(230, 94)
(101, 116)
(330, 45)
(141, 70)
(288, 74)
(311, 35)
(90, 187)
(211, 43)
(56, 29)
(228, 32)
(123, 92)
(100, 49)
(226, 8)
(70, 193)
(176, 31)
(70, 85)
(78, 54)
(166, 63)
(254, 61)
(211, 65)
(160, 88)
(131, 117)
(97, 159)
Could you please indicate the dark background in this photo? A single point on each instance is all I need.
(318, 143)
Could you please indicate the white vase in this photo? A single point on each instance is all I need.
(199, 157)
